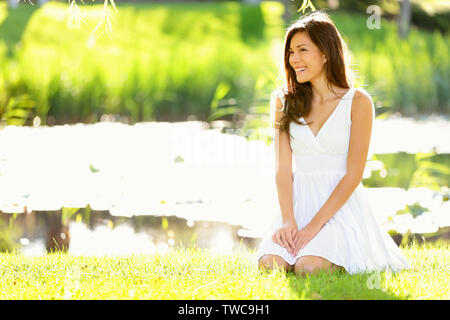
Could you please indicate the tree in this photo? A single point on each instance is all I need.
(14, 3)
(404, 21)
(290, 6)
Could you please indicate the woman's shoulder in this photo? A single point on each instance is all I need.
(280, 93)
(362, 102)
(362, 94)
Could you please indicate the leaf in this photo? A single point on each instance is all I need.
(223, 112)
(16, 121)
(421, 155)
(108, 23)
(438, 167)
(93, 169)
(305, 5)
(221, 90)
(179, 159)
(67, 213)
(113, 5)
(415, 210)
(18, 113)
(260, 82)
(96, 27)
(10, 104)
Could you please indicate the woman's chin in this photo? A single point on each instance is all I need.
(302, 80)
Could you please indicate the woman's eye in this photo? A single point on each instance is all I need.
(290, 52)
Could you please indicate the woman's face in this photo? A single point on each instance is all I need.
(305, 58)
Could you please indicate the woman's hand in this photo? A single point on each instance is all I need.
(285, 235)
(305, 235)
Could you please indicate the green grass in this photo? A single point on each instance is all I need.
(161, 60)
(190, 273)
(165, 61)
(411, 75)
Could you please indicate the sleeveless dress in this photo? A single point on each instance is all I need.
(352, 238)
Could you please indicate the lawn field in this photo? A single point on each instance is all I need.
(191, 273)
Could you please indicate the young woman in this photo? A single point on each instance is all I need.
(323, 124)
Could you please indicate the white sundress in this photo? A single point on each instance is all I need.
(352, 238)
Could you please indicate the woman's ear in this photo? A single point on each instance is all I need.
(324, 59)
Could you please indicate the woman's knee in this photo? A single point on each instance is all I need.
(310, 265)
(271, 261)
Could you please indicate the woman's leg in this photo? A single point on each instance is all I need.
(270, 261)
(313, 264)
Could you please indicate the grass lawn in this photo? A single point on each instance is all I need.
(190, 273)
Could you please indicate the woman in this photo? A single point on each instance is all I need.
(324, 124)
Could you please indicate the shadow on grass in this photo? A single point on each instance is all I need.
(340, 286)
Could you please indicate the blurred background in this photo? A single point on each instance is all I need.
(146, 127)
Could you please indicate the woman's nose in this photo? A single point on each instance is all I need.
(295, 57)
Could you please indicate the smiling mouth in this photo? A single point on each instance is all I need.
(300, 70)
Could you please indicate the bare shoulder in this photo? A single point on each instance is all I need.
(277, 106)
(362, 105)
(278, 103)
(278, 97)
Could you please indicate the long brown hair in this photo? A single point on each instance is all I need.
(326, 37)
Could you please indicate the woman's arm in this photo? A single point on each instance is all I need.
(283, 179)
(361, 130)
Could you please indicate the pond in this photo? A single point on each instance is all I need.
(200, 182)
(99, 233)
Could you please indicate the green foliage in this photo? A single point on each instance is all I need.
(431, 14)
(165, 62)
(406, 170)
(426, 14)
(221, 107)
(9, 234)
(415, 210)
(428, 173)
(162, 60)
(67, 213)
(17, 110)
(258, 116)
(410, 76)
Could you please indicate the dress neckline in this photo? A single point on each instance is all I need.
(329, 117)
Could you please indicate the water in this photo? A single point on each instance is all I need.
(150, 170)
(100, 233)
